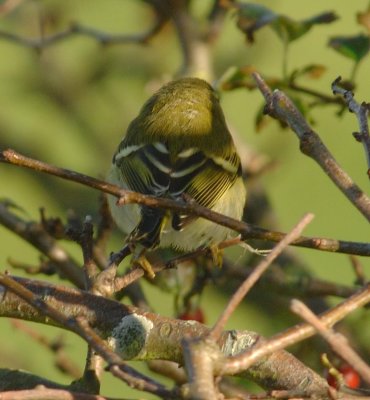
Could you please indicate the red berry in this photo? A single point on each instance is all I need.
(193, 315)
(350, 376)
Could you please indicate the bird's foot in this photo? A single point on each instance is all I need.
(142, 262)
(217, 255)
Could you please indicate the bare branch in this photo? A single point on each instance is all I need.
(362, 113)
(279, 106)
(249, 282)
(77, 29)
(162, 339)
(336, 340)
(201, 356)
(82, 328)
(125, 197)
(297, 333)
(57, 346)
(43, 393)
(34, 234)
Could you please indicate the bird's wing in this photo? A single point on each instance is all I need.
(204, 178)
(146, 169)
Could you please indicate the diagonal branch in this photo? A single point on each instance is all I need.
(337, 341)
(81, 327)
(279, 106)
(248, 283)
(297, 333)
(362, 113)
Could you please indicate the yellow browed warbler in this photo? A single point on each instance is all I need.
(178, 145)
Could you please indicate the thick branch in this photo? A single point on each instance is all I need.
(143, 336)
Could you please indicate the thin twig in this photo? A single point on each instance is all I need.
(133, 275)
(323, 98)
(35, 234)
(336, 340)
(301, 285)
(297, 333)
(78, 29)
(84, 237)
(279, 106)
(104, 231)
(125, 197)
(57, 346)
(362, 112)
(249, 282)
(358, 270)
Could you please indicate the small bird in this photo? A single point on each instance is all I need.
(178, 147)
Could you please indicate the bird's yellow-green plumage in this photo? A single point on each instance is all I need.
(178, 145)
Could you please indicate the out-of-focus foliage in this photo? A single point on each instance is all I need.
(355, 47)
(252, 17)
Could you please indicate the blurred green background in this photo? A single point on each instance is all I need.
(70, 104)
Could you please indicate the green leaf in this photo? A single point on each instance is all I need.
(354, 47)
(289, 30)
(252, 17)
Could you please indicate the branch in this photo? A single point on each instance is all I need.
(81, 327)
(362, 112)
(202, 356)
(336, 340)
(195, 50)
(56, 346)
(146, 335)
(297, 333)
(303, 286)
(43, 393)
(323, 98)
(249, 282)
(75, 29)
(34, 234)
(279, 106)
(125, 197)
(131, 276)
